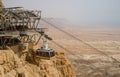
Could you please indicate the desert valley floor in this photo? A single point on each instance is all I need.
(87, 61)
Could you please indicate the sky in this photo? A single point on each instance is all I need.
(83, 12)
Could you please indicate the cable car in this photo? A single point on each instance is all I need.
(45, 52)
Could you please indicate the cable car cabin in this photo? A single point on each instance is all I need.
(45, 53)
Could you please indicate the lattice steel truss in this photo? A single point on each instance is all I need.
(18, 25)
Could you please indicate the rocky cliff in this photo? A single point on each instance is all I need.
(1, 4)
(26, 63)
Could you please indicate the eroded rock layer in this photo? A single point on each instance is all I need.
(27, 63)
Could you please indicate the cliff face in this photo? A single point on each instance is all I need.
(1, 4)
(28, 64)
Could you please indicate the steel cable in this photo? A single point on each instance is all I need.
(80, 40)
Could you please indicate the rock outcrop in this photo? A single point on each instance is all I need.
(27, 63)
(1, 4)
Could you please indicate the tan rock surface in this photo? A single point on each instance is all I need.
(1, 4)
(31, 65)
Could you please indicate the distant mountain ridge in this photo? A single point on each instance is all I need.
(64, 23)
(60, 22)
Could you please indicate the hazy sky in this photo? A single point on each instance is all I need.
(88, 12)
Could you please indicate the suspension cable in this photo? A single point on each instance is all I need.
(92, 65)
(97, 50)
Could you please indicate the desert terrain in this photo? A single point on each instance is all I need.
(87, 61)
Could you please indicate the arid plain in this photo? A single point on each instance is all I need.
(95, 54)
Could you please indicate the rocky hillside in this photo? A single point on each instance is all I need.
(26, 63)
(1, 4)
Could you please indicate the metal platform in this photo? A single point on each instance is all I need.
(18, 23)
